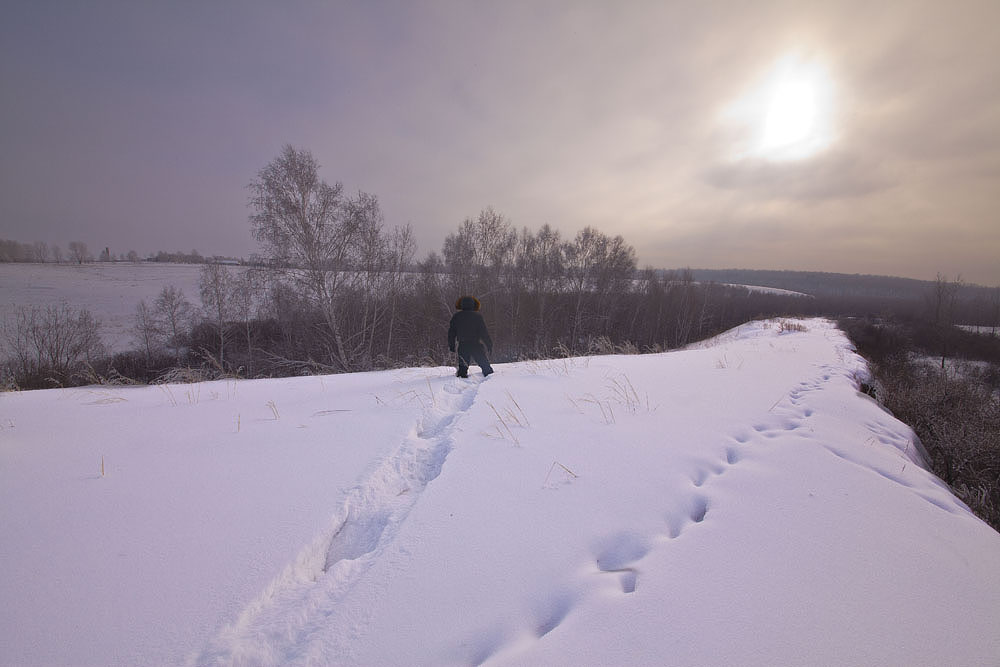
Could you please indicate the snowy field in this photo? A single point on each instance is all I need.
(111, 291)
(737, 503)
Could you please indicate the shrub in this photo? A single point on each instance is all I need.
(51, 346)
(956, 416)
(958, 421)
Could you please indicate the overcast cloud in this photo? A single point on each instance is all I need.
(138, 125)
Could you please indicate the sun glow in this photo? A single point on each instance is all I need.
(788, 116)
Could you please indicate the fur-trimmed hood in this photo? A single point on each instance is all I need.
(467, 303)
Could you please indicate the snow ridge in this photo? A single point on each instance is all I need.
(284, 623)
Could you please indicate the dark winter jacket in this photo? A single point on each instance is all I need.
(468, 326)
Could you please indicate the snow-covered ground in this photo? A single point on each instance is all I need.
(111, 291)
(737, 503)
(769, 290)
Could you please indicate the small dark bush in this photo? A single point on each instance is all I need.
(880, 341)
(137, 368)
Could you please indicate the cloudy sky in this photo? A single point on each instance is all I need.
(855, 137)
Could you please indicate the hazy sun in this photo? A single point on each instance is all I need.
(788, 116)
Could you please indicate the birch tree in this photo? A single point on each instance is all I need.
(306, 233)
(216, 286)
(173, 314)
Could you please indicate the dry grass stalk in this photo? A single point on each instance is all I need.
(516, 405)
(504, 424)
(553, 467)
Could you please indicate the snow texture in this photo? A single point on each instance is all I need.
(738, 502)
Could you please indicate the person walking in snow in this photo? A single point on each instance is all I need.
(468, 328)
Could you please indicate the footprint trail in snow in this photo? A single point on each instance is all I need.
(279, 626)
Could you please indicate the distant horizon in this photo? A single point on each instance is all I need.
(150, 256)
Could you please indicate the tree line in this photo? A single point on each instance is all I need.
(40, 252)
(334, 289)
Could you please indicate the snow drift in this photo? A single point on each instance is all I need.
(739, 502)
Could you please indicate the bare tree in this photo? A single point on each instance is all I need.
(541, 267)
(145, 330)
(597, 266)
(13, 251)
(173, 314)
(216, 286)
(402, 248)
(372, 263)
(683, 294)
(994, 312)
(78, 252)
(942, 304)
(41, 251)
(480, 255)
(10, 251)
(247, 289)
(55, 341)
(306, 232)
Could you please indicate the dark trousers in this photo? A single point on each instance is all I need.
(472, 352)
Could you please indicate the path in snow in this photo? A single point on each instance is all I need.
(740, 502)
(282, 623)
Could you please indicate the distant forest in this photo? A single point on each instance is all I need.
(839, 285)
(819, 283)
(78, 253)
(814, 283)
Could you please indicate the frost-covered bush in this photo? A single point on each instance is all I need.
(955, 415)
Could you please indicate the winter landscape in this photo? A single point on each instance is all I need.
(735, 266)
(112, 291)
(736, 502)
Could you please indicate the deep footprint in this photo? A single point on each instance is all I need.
(699, 509)
(619, 551)
(693, 511)
(554, 615)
